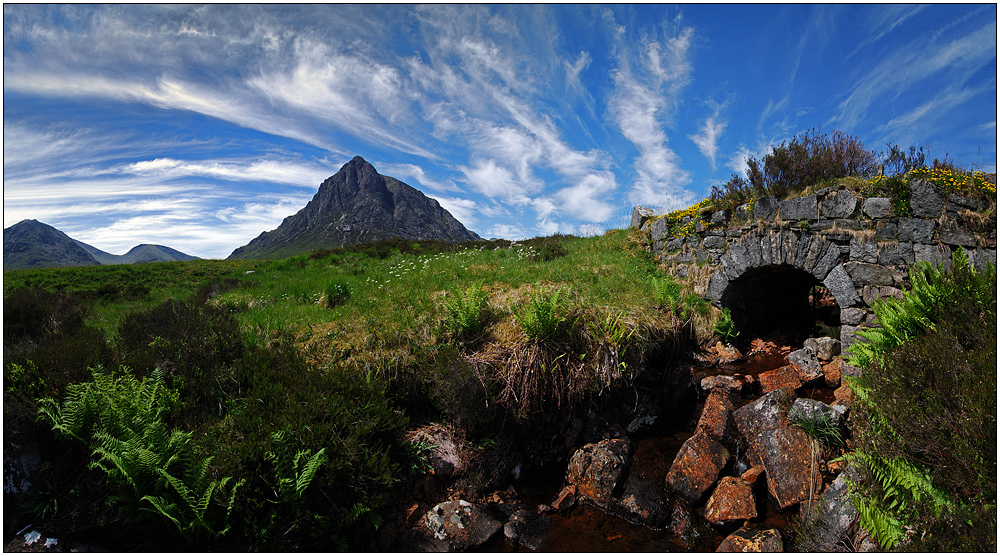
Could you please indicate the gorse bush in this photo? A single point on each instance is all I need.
(925, 417)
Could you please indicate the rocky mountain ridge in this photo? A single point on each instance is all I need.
(34, 244)
(355, 205)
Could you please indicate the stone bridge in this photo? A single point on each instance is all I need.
(763, 262)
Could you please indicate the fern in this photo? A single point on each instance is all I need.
(294, 472)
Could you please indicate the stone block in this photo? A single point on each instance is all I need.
(716, 416)
(717, 285)
(915, 230)
(864, 250)
(765, 208)
(697, 467)
(738, 254)
(934, 254)
(715, 242)
(802, 208)
(787, 456)
(826, 348)
(731, 501)
(839, 204)
(852, 316)
(896, 254)
(829, 260)
(765, 413)
(806, 409)
(926, 199)
(673, 244)
(658, 229)
(848, 337)
(953, 234)
(870, 274)
(877, 207)
(886, 230)
(639, 216)
(982, 257)
(720, 217)
(802, 247)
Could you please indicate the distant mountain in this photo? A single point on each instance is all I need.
(33, 244)
(355, 205)
(144, 253)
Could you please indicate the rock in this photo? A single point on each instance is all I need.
(716, 415)
(765, 208)
(852, 316)
(732, 500)
(839, 204)
(766, 413)
(918, 230)
(565, 500)
(415, 512)
(719, 218)
(864, 250)
(751, 475)
(727, 353)
(953, 234)
(526, 528)
(877, 207)
(843, 395)
(831, 373)
(828, 524)
(658, 229)
(457, 525)
(782, 377)
(639, 217)
(750, 540)
(596, 469)
(841, 512)
(826, 348)
(642, 501)
(697, 466)
(839, 282)
(789, 463)
(926, 199)
(444, 457)
(802, 208)
(805, 409)
(806, 364)
(715, 242)
(896, 254)
(867, 273)
(718, 381)
(935, 254)
(645, 418)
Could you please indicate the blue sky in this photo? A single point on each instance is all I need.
(198, 127)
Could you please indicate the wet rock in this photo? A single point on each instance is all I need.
(444, 455)
(596, 469)
(716, 415)
(457, 525)
(727, 353)
(826, 348)
(642, 501)
(718, 381)
(806, 364)
(645, 418)
(526, 528)
(782, 377)
(565, 500)
(732, 500)
(750, 540)
(697, 466)
(831, 373)
(751, 475)
(789, 463)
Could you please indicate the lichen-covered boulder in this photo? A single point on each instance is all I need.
(807, 364)
(457, 525)
(597, 469)
(697, 466)
(750, 540)
(731, 501)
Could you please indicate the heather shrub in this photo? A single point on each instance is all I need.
(925, 418)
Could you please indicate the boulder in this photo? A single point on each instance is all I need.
(766, 413)
(457, 525)
(526, 528)
(716, 415)
(782, 377)
(750, 540)
(565, 500)
(789, 463)
(826, 348)
(831, 373)
(727, 353)
(697, 466)
(829, 524)
(444, 456)
(732, 500)
(596, 469)
(643, 501)
(806, 409)
(639, 217)
(806, 364)
(843, 395)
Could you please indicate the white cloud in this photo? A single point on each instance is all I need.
(707, 138)
(463, 209)
(285, 172)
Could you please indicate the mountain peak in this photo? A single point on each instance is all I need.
(355, 205)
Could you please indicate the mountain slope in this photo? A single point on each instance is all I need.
(355, 205)
(33, 244)
(143, 253)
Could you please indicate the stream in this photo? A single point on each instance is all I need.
(586, 528)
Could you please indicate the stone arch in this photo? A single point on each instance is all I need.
(765, 277)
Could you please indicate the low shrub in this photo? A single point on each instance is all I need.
(468, 313)
(545, 317)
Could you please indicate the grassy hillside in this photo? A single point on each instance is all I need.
(308, 371)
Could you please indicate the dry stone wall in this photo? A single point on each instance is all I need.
(854, 246)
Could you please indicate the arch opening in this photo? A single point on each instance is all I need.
(781, 299)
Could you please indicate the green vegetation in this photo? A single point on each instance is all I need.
(925, 425)
(244, 409)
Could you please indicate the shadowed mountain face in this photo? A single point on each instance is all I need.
(33, 244)
(355, 205)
